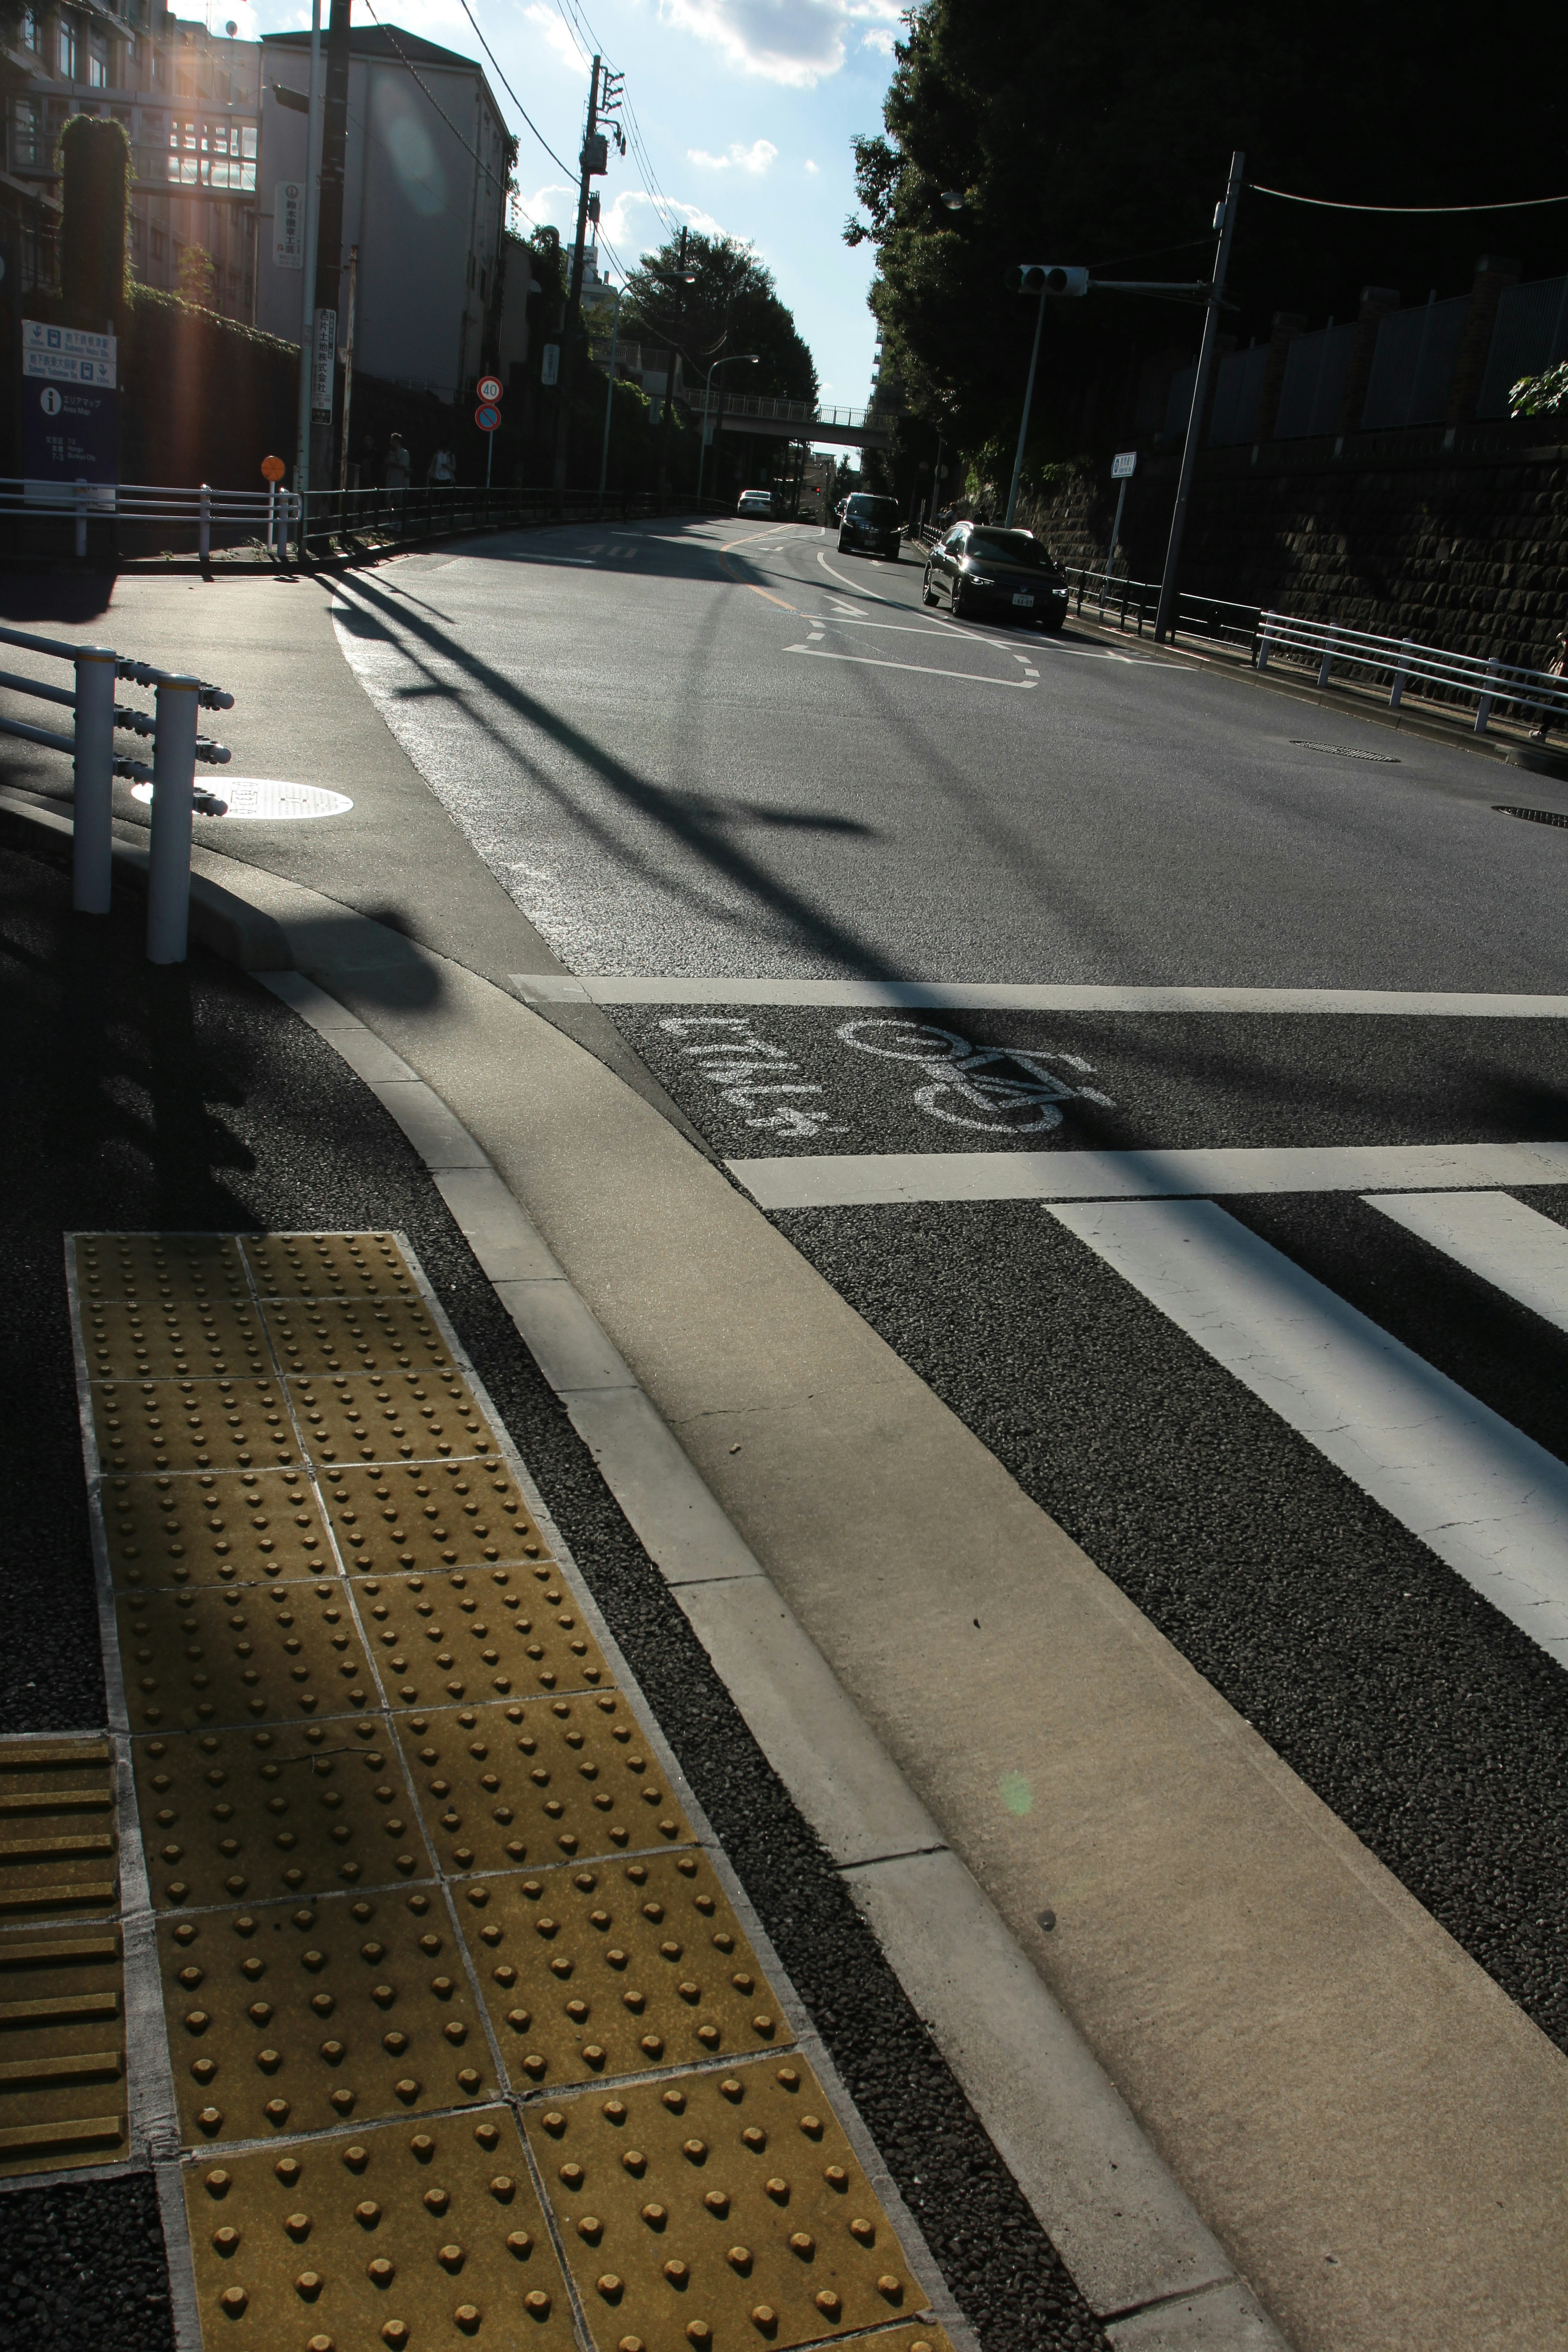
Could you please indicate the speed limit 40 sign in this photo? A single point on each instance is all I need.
(488, 387)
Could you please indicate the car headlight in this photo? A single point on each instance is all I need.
(980, 580)
(1058, 592)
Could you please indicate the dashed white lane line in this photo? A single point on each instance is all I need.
(1482, 1495)
(923, 669)
(1507, 1243)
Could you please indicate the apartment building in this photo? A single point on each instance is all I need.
(190, 101)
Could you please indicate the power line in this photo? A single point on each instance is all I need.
(432, 97)
(512, 94)
(1331, 203)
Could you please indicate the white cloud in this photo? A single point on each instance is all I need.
(552, 29)
(754, 159)
(811, 167)
(634, 225)
(796, 42)
(880, 38)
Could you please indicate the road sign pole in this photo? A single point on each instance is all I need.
(1028, 404)
(1169, 585)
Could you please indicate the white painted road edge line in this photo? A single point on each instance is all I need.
(1008, 996)
(869, 1178)
(1129, 2235)
(924, 669)
(1507, 1243)
(1485, 1497)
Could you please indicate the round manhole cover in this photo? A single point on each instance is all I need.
(260, 797)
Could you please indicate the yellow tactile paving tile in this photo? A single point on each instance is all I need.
(328, 1266)
(499, 1786)
(315, 1336)
(143, 1425)
(429, 2237)
(287, 1810)
(270, 1654)
(619, 1969)
(152, 1266)
(509, 1632)
(297, 2016)
(406, 1417)
(62, 2049)
(59, 1832)
(429, 1515)
(231, 1527)
(716, 2211)
(173, 1338)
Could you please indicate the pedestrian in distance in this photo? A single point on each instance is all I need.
(398, 468)
(442, 471)
(1556, 667)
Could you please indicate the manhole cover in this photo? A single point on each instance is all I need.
(1532, 816)
(261, 797)
(1344, 751)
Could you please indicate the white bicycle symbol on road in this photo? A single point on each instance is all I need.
(1018, 1094)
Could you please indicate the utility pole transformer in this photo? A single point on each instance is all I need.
(1225, 221)
(329, 245)
(594, 162)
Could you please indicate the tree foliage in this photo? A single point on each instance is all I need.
(95, 201)
(733, 306)
(1104, 136)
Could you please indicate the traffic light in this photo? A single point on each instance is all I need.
(1047, 277)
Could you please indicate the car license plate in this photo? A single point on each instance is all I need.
(1022, 599)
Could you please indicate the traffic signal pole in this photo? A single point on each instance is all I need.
(1028, 404)
(1168, 585)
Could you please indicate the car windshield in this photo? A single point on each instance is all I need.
(1016, 547)
(865, 508)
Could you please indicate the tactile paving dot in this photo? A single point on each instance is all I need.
(271, 1652)
(328, 1265)
(499, 1786)
(925, 2336)
(217, 1527)
(724, 2209)
(298, 1808)
(428, 1516)
(147, 1267)
(392, 1419)
(191, 1425)
(292, 2018)
(429, 2237)
(172, 1336)
(618, 1969)
(357, 1335)
(465, 1634)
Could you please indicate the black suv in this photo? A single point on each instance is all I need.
(995, 574)
(868, 526)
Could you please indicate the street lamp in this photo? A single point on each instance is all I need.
(736, 359)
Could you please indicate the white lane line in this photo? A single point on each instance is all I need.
(862, 1179)
(907, 628)
(1507, 1244)
(923, 669)
(1486, 1498)
(1011, 996)
(854, 586)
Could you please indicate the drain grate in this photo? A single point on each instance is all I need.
(1344, 751)
(1532, 816)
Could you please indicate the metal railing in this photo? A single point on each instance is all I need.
(1485, 679)
(260, 515)
(1131, 603)
(177, 748)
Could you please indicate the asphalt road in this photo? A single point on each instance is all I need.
(730, 752)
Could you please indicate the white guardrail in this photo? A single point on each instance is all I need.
(268, 513)
(1486, 679)
(177, 748)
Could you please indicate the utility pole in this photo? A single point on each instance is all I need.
(307, 289)
(1225, 221)
(329, 245)
(594, 162)
(681, 282)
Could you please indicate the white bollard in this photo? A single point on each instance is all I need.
(1266, 643)
(1327, 656)
(1396, 692)
(173, 781)
(91, 841)
(205, 528)
(1484, 707)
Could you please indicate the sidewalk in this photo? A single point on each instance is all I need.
(1319, 2066)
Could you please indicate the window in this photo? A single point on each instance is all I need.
(68, 49)
(27, 150)
(30, 30)
(231, 147)
(158, 239)
(97, 68)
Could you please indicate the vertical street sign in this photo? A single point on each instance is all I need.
(289, 225)
(550, 364)
(1123, 465)
(70, 421)
(324, 367)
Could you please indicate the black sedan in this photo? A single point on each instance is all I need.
(990, 574)
(868, 526)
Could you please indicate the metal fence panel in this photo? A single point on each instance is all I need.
(1531, 333)
(1413, 365)
(1238, 393)
(1316, 369)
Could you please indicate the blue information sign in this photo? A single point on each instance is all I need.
(69, 433)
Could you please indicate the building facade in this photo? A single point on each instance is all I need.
(424, 200)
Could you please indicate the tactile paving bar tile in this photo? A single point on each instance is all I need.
(428, 1516)
(292, 2017)
(151, 1267)
(430, 2238)
(270, 1654)
(925, 2336)
(503, 1785)
(62, 2049)
(328, 1265)
(59, 1840)
(511, 1630)
(313, 1336)
(191, 1425)
(725, 2210)
(401, 1418)
(232, 1527)
(172, 1338)
(296, 1809)
(618, 1969)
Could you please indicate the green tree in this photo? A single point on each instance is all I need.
(732, 305)
(94, 158)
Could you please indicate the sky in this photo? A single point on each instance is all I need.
(741, 111)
